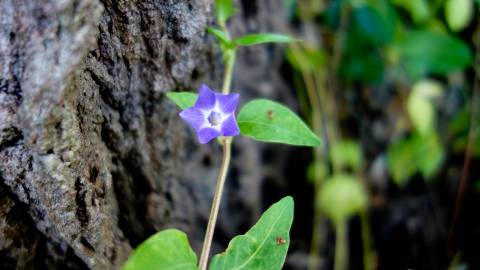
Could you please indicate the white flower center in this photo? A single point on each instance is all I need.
(215, 118)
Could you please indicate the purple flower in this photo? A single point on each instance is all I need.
(212, 115)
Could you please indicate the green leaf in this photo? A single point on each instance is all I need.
(261, 38)
(221, 36)
(401, 161)
(375, 22)
(430, 154)
(419, 153)
(361, 60)
(165, 250)
(458, 13)
(423, 52)
(184, 100)
(268, 121)
(421, 113)
(224, 9)
(420, 105)
(342, 196)
(264, 246)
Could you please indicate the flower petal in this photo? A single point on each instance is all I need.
(207, 134)
(206, 98)
(228, 103)
(230, 126)
(194, 117)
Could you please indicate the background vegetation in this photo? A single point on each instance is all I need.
(392, 88)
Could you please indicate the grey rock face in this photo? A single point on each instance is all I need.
(84, 126)
(93, 158)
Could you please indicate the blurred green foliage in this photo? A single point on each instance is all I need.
(347, 155)
(458, 13)
(341, 197)
(376, 30)
(423, 52)
(417, 56)
(422, 153)
(394, 42)
(459, 129)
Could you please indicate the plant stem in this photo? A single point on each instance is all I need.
(212, 220)
(368, 254)
(316, 241)
(341, 245)
(229, 60)
(470, 142)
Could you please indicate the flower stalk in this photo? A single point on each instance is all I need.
(212, 220)
(229, 61)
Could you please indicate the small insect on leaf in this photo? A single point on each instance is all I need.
(280, 241)
(270, 114)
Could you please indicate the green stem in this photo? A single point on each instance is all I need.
(310, 80)
(368, 254)
(212, 220)
(316, 241)
(341, 246)
(229, 58)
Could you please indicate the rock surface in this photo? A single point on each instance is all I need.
(93, 158)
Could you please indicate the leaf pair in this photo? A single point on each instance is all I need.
(249, 40)
(263, 120)
(264, 246)
(224, 9)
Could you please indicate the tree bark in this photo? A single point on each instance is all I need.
(93, 157)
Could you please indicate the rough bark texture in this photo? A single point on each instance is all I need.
(93, 158)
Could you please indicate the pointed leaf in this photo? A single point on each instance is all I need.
(264, 246)
(268, 121)
(428, 52)
(220, 35)
(459, 13)
(260, 38)
(165, 250)
(224, 9)
(420, 105)
(183, 100)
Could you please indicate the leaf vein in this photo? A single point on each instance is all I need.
(264, 240)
